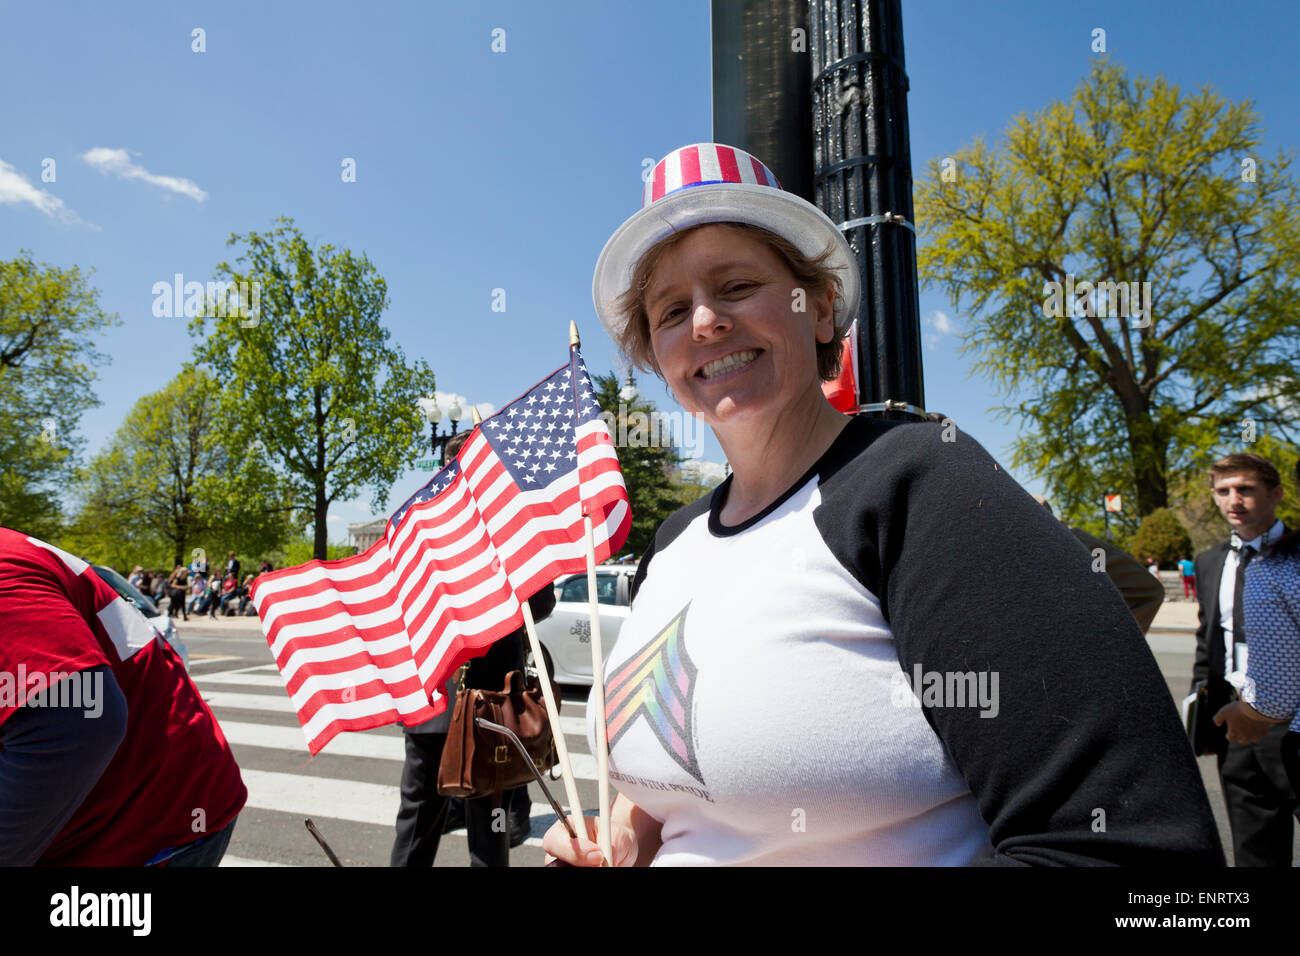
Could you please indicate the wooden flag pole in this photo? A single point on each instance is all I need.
(597, 669)
(598, 698)
(548, 695)
(553, 715)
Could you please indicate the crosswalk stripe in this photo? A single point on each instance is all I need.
(243, 733)
(291, 738)
(276, 704)
(308, 796)
(346, 800)
(234, 677)
(229, 860)
(569, 724)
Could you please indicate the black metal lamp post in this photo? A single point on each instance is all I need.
(438, 440)
(817, 89)
(863, 180)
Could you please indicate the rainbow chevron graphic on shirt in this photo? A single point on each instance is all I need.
(657, 683)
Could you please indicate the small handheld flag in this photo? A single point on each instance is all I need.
(371, 640)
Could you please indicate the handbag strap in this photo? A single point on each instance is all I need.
(499, 784)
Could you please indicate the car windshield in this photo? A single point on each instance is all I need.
(123, 587)
(575, 589)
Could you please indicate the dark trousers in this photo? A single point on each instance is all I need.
(176, 603)
(1291, 759)
(1261, 800)
(423, 811)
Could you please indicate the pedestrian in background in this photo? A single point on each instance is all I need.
(1246, 489)
(176, 586)
(244, 592)
(198, 586)
(1187, 568)
(1270, 693)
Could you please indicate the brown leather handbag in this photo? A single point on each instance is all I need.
(477, 762)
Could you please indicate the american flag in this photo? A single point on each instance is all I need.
(371, 639)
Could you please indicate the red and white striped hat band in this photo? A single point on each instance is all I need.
(705, 164)
(706, 183)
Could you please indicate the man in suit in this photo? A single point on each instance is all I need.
(1260, 800)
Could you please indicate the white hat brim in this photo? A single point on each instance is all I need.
(783, 213)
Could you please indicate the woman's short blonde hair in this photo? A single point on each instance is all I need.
(634, 341)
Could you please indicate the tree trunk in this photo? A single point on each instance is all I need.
(1149, 450)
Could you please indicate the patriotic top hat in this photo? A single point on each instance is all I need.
(708, 182)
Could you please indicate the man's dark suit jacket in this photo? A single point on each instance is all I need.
(1210, 656)
(1210, 653)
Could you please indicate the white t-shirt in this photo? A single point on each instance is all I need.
(759, 698)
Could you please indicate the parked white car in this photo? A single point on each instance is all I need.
(566, 634)
(161, 622)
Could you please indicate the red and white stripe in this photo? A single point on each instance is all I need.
(368, 640)
(341, 646)
(704, 163)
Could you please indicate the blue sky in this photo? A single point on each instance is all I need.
(478, 170)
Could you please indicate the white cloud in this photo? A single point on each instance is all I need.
(940, 324)
(118, 162)
(445, 400)
(15, 188)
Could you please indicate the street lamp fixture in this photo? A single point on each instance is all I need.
(437, 439)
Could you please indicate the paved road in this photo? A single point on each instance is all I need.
(350, 789)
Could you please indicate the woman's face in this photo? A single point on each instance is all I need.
(733, 332)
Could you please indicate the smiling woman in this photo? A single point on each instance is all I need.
(760, 703)
(813, 275)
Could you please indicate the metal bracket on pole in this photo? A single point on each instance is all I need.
(888, 217)
(893, 405)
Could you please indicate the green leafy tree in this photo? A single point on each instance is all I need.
(48, 319)
(647, 456)
(301, 548)
(1124, 388)
(164, 486)
(1163, 537)
(311, 381)
(695, 479)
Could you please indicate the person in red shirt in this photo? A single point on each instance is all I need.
(108, 755)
